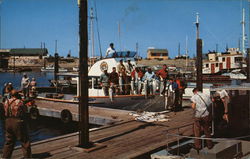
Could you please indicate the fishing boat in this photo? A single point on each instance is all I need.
(51, 68)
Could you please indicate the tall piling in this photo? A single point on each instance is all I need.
(83, 76)
(199, 64)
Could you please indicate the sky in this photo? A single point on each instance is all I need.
(161, 24)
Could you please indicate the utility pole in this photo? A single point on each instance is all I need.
(199, 56)
(83, 76)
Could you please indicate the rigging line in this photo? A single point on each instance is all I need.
(98, 34)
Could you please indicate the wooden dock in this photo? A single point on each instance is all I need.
(126, 139)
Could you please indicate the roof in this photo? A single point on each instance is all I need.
(158, 50)
(29, 52)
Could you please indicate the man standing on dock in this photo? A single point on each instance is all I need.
(15, 126)
(201, 103)
(25, 85)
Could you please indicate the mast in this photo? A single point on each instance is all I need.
(119, 35)
(0, 24)
(186, 51)
(243, 31)
(179, 50)
(92, 31)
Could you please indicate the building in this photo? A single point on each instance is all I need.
(4, 57)
(160, 54)
(229, 60)
(27, 56)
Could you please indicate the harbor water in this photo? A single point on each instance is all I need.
(42, 78)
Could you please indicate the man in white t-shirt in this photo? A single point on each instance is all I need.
(110, 50)
(201, 103)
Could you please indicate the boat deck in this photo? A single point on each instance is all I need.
(127, 139)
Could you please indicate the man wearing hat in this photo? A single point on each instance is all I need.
(15, 126)
(25, 85)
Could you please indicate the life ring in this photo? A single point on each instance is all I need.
(34, 113)
(66, 116)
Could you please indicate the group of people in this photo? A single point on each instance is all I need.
(202, 106)
(127, 79)
(14, 112)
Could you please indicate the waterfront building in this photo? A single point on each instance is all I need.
(219, 61)
(4, 57)
(27, 56)
(160, 54)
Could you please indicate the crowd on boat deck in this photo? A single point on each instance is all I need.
(126, 79)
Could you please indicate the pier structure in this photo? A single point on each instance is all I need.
(124, 139)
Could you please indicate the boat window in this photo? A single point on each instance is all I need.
(122, 54)
(96, 83)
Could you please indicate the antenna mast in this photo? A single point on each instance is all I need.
(92, 30)
(243, 31)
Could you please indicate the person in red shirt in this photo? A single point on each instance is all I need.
(163, 75)
(179, 92)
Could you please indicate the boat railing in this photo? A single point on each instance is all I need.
(184, 141)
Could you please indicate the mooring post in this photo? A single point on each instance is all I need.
(199, 64)
(83, 76)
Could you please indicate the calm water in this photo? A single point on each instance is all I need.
(43, 128)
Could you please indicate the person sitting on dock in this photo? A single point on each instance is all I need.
(148, 81)
(114, 81)
(15, 126)
(201, 105)
(110, 50)
(136, 76)
(104, 81)
(163, 74)
(25, 83)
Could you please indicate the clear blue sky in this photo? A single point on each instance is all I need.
(151, 23)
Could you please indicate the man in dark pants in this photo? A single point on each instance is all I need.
(200, 104)
(163, 74)
(15, 126)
